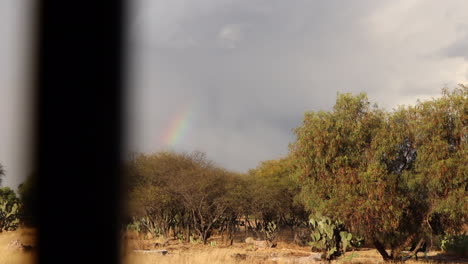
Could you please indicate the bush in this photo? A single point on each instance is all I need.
(455, 245)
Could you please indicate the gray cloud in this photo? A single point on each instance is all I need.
(458, 48)
(248, 70)
(15, 96)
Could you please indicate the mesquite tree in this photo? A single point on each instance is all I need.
(183, 194)
(274, 194)
(390, 177)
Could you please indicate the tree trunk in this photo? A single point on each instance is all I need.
(187, 236)
(416, 249)
(205, 237)
(381, 250)
(395, 254)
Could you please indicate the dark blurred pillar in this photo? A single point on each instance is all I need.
(78, 129)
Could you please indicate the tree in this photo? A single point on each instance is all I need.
(441, 138)
(150, 189)
(274, 194)
(28, 197)
(238, 204)
(185, 193)
(386, 175)
(204, 195)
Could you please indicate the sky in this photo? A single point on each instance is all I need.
(233, 78)
(15, 93)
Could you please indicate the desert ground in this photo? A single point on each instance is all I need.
(19, 247)
(140, 250)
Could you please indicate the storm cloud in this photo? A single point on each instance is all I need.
(248, 70)
(239, 75)
(15, 90)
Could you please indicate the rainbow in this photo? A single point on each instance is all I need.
(177, 128)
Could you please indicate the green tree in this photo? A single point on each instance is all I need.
(387, 176)
(185, 193)
(274, 195)
(238, 199)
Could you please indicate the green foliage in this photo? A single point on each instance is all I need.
(274, 194)
(389, 176)
(186, 194)
(180, 237)
(455, 245)
(144, 225)
(9, 210)
(194, 240)
(9, 218)
(172, 191)
(134, 225)
(329, 236)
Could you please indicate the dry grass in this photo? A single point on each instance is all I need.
(201, 254)
(198, 253)
(242, 253)
(12, 256)
(279, 256)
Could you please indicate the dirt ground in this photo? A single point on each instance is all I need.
(18, 247)
(217, 252)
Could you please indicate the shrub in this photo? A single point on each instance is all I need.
(455, 245)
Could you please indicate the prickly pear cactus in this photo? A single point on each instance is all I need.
(345, 239)
(9, 215)
(271, 232)
(329, 236)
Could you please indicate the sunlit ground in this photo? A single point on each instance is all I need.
(12, 252)
(217, 252)
(18, 247)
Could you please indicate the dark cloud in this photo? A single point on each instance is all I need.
(248, 70)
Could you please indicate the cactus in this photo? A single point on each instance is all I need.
(9, 215)
(329, 236)
(271, 232)
(345, 239)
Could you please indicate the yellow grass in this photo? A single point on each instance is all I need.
(278, 256)
(200, 254)
(180, 253)
(11, 256)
